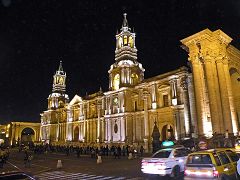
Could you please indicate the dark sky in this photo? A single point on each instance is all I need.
(36, 34)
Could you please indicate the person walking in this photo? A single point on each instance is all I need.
(78, 152)
(141, 151)
(119, 151)
(1, 162)
(27, 159)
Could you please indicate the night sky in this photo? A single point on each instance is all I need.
(36, 34)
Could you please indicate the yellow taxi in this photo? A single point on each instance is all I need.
(211, 164)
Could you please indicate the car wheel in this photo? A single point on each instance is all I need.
(237, 175)
(225, 177)
(175, 172)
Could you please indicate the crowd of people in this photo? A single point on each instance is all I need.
(93, 151)
(4, 155)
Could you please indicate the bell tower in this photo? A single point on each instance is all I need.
(59, 78)
(58, 98)
(126, 71)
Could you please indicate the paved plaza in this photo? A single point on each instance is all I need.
(44, 166)
(84, 167)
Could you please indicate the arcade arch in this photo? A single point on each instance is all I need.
(27, 135)
(167, 132)
(235, 81)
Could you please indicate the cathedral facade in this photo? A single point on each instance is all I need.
(184, 103)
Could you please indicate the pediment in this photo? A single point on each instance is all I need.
(163, 86)
(76, 99)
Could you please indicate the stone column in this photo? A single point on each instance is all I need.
(84, 126)
(230, 96)
(187, 116)
(109, 130)
(40, 133)
(198, 78)
(101, 130)
(128, 75)
(98, 121)
(87, 131)
(173, 86)
(146, 122)
(105, 130)
(122, 100)
(134, 128)
(212, 92)
(224, 95)
(123, 129)
(67, 126)
(122, 76)
(110, 81)
(178, 124)
(192, 104)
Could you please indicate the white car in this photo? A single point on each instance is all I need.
(169, 161)
(238, 167)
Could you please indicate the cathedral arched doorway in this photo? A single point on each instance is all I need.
(167, 132)
(27, 136)
(76, 134)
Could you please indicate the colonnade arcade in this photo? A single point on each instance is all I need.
(211, 55)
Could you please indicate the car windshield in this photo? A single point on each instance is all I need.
(238, 141)
(162, 154)
(233, 156)
(199, 159)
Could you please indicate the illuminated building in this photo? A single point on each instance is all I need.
(183, 104)
(215, 66)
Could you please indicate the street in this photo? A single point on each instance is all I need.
(44, 166)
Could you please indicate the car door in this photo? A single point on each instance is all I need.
(228, 167)
(233, 157)
(180, 156)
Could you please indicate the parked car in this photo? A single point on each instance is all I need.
(169, 161)
(238, 168)
(15, 175)
(211, 164)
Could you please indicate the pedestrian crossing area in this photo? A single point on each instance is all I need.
(77, 176)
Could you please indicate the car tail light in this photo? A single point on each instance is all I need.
(206, 173)
(144, 162)
(215, 173)
(187, 172)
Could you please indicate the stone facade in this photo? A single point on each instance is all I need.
(215, 67)
(16, 133)
(181, 103)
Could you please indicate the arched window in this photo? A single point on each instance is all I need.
(76, 134)
(120, 42)
(165, 100)
(125, 40)
(130, 41)
(27, 135)
(134, 78)
(116, 82)
(61, 80)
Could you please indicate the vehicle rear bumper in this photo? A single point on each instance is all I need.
(194, 178)
(162, 172)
